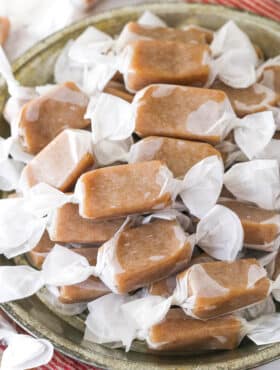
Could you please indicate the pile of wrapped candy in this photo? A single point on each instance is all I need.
(146, 187)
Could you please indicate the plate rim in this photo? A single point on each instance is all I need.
(13, 309)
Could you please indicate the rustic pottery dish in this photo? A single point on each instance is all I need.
(35, 67)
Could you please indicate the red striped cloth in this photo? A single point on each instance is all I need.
(267, 8)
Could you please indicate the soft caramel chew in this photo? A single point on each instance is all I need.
(4, 29)
(221, 287)
(260, 226)
(178, 332)
(123, 190)
(147, 253)
(164, 287)
(170, 110)
(179, 155)
(253, 99)
(276, 271)
(37, 255)
(68, 226)
(156, 61)
(87, 290)
(118, 89)
(135, 31)
(43, 118)
(61, 162)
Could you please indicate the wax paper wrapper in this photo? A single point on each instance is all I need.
(24, 219)
(256, 181)
(266, 307)
(23, 351)
(50, 294)
(252, 133)
(235, 57)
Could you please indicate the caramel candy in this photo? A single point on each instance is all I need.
(271, 78)
(67, 226)
(261, 226)
(87, 290)
(253, 99)
(179, 155)
(144, 254)
(164, 110)
(276, 271)
(123, 190)
(178, 332)
(43, 118)
(164, 287)
(118, 89)
(156, 61)
(201, 258)
(61, 162)
(218, 288)
(4, 29)
(37, 255)
(135, 31)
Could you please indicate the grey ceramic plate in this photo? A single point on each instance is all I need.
(35, 68)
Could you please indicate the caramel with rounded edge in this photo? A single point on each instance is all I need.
(163, 110)
(259, 225)
(43, 118)
(118, 89)
(38, 254)
(156, 61)
(56, 165)
(179, 155)
(230, 283)
(148, 253)
(123, 190)
(164, 287)
(135, 30)
(4, 29)
(253, 99)
(69, 227)
(178, 332)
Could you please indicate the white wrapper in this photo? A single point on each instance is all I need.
(257, 181)
(150, 19)
(107, 323)
(202, 185)
(23, 351)
(255, 311)
(66, 69)
(61, 267)
(89, 46)
(265, 330)
(236, 57)
(24, 219)
(220, 234)
(50, 295)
